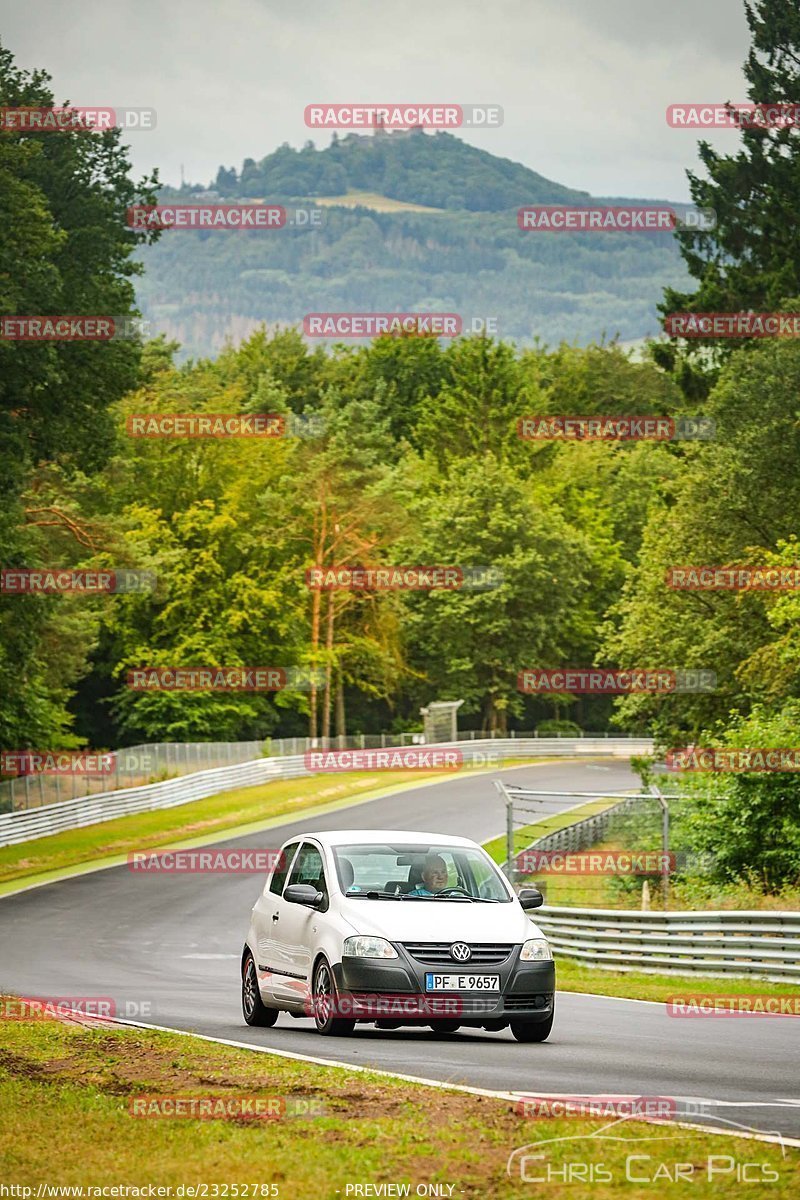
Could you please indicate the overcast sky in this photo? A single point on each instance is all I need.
(583, 83)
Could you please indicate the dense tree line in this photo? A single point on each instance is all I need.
(413, 457)
(437, 170)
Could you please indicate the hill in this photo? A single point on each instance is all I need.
(410, 222)
(437, 170)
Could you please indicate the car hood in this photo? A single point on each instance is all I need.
(439, 921)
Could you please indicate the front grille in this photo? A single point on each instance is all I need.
(438, 953)
(476, 1006)
(529, 1001)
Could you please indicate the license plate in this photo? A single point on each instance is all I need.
(461, 983)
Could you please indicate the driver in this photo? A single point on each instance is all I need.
(434, 876)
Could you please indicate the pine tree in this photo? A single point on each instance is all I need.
(751, 259)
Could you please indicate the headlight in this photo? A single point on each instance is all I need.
(363, 946)
(535, 950)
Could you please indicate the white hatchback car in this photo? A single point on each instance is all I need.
(396, 928)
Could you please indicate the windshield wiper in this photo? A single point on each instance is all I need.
(437, 896)
(373, 895)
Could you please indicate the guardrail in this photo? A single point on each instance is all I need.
(23, 826)
(734, 943)
(132, 766)
(577, 836)
(731, 942)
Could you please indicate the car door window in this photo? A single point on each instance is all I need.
(308, 868)
(484, 880)
(279, 874)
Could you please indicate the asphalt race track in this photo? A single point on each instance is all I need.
(174, 943)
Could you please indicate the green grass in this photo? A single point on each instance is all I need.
(65, 1092)
(198, 821)
(574, 976)
(525, 834)
(605, 892)
(244, 811)
(373, 200)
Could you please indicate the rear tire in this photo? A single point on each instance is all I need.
(532, 1031)
(254, 1010)
(325, 999)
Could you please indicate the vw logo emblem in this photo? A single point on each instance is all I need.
(460, 951)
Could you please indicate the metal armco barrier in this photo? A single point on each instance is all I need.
(106, 806)
(577, 836)
(764, 944)
(761, 943)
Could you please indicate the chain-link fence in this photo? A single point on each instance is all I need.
(549, 835)
(153, 762)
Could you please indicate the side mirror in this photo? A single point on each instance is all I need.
(303, 893)
(530, 898)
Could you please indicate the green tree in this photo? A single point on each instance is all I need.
(471, 644)
(64, 249)
(749, 822)
(751, 259)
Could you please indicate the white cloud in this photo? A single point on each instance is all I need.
(583, 83)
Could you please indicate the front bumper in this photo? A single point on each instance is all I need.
(394, 990)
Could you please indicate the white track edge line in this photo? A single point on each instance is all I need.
(273, 823)
(780, 1140)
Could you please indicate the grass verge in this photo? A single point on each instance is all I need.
(496, 847)
(601, 892)
(200, 820)
(237, 813)
(574, 976)
(66, 1092)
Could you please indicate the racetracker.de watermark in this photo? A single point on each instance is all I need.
(411, 579)
(375, 324)
(222, 216)
(70, 328)
(60, 1008)
(714, 758)
(733, 578)
(615, 429)
(57, 762)
(615, 218)
(132, 761)
(18, 581)
(705, 1004)
(223, 679)
(205, 425)
(370, 1006)
(732, 324)
(205, 862)
(596, 862)
(599, 680)
(224, 425)
(221, 1108)
(728, 115)
(399, 115)
(409, 758)
(72, 119)
(596, 1105)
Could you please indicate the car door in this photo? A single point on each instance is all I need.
(265, 918)
(297, 928)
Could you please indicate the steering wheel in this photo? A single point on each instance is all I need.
(457, 888)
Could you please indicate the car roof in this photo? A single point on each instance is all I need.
(338, 837)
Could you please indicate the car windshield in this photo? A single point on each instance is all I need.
(436, 872)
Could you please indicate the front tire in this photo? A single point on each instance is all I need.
(325, 1001)
(254, 1010)
(444, 1026)
(532, 1031)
